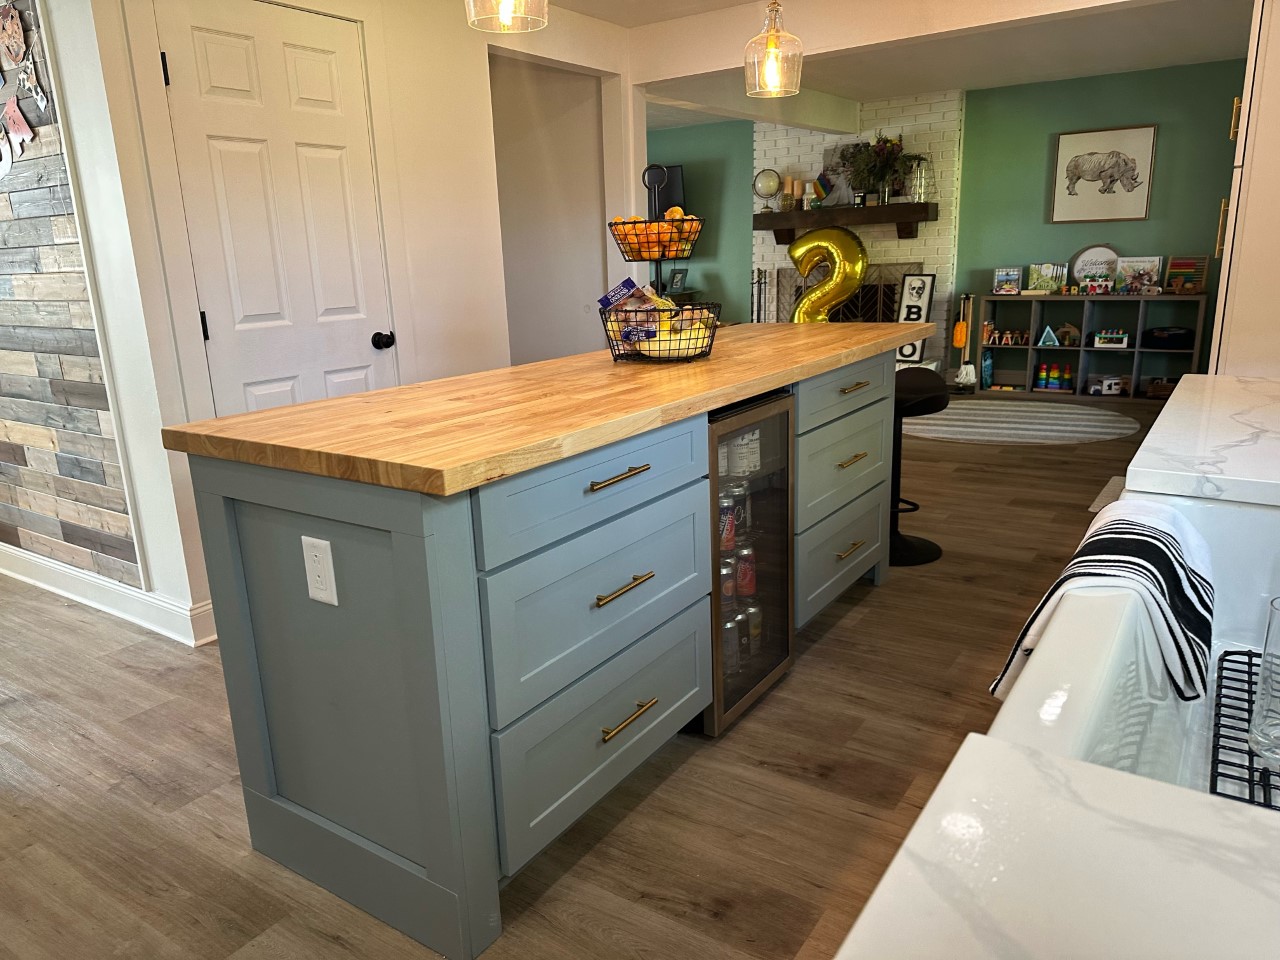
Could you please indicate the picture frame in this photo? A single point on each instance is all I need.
(915, 303)
(1006, 280)
(677, 280)
(1103, 175)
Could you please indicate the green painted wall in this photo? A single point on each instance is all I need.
(717, 159)
(1008, 160)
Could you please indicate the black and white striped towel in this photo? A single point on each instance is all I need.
(1153, 549)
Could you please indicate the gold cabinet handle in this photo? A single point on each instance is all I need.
(641, 707)
(598, 485)
(850, 552)
(1222, 229)
(605, 598)
(854, 459)
(857, 386)
(1236, 104)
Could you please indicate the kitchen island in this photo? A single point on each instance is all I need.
(453, 615)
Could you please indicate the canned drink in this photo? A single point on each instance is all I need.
(746, 572)
(728, 587)
(729, 647)
(728, 524)
(744, 640)
(755, 627)
(741, 494)
(744, 453)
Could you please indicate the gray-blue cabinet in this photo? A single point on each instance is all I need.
(499, 659)
(844, 450)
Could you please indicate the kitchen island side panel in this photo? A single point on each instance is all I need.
(361, 729)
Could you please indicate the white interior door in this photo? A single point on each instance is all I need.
(271, 128)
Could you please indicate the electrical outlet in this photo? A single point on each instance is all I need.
(318, 559)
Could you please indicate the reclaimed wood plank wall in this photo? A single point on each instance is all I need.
(61, 487)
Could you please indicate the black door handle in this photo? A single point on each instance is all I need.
(381, 341)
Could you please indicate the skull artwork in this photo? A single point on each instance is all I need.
(915, 289)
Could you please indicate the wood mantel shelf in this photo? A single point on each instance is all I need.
(908, 217)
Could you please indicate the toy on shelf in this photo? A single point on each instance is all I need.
(1109, 386)
(1068, 382)
(1111, 340)
(1055, 377)
(1048, 338)
(1042, 377)
(1069, 335)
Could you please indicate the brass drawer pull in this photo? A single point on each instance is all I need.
(642, 707)
(598, 485)
(1222, 229)
(850, 552)
(854, 459)
(857, 386)
(1236, 104)
(636, 580)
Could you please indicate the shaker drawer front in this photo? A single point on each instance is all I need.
(527, 511)
(556, 763)
(835, 553)
(824, 398)
(841, 461)
(552, 617)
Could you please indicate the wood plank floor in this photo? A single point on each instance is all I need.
(122, 831)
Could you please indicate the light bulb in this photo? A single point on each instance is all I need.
(506, 13)
(772, 71)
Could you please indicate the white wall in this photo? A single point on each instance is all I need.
(548, 131)
(430, 109)
(931, 124)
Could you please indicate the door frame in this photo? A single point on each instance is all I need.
(166, 189)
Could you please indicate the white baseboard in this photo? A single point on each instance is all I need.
(186, 623)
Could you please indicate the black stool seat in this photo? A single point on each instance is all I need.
(918, 392)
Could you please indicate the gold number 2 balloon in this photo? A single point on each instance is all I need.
(844, 253)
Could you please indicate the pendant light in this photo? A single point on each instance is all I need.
(507, 16)
(774, 58)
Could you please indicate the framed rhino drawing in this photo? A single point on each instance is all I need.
(1103, 175)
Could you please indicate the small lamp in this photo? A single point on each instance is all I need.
(774, 58)
(507, 16)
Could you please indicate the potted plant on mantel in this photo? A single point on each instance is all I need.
(882, 165)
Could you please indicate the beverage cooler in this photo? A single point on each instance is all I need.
(751, 486)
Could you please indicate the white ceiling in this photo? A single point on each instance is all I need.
(1132, 38)
(660, 116)
(637, 13)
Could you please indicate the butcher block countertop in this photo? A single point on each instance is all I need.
(447, 436)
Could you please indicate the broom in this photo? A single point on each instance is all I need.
(967, 375)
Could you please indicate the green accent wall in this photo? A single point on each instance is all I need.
(717, 160)
(1008, 161)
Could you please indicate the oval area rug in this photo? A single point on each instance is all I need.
(1020, 421)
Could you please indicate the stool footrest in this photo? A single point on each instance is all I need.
(906, 506)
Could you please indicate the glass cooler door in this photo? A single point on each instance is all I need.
(751, 486)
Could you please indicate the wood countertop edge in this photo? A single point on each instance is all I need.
(202, 439)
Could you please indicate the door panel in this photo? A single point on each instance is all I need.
(272, 134)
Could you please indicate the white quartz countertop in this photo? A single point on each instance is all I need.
(1024, 854)
(1217, 438)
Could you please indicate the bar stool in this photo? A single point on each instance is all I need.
(918, 392)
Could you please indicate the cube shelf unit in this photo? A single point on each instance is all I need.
(1016, 365)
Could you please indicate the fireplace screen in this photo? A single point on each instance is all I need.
(876, 301)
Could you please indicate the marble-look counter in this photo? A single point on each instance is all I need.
(1217, 438)
(1023, 854)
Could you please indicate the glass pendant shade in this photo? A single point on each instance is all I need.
(774, 58)
(507, 16)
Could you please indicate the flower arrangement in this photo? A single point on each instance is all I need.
(882, 161)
